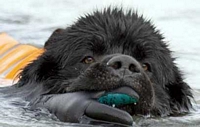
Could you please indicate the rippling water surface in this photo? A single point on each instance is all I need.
(31, 21)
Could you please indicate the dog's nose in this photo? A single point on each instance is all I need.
(124, 64)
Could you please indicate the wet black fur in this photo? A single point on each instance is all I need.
(111, 31)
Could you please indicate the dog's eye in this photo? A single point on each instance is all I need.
(146, 67)
(88, 60)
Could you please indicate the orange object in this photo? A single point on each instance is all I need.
(17, 69)
(15, 56)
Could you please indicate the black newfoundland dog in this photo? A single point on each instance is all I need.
(103, 52)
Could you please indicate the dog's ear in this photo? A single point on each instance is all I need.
(55, 36)
(180, 94)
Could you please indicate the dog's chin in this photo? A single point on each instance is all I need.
(142, 106)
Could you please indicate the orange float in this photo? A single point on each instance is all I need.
(15, 56)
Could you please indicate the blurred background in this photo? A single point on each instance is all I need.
(33, 21)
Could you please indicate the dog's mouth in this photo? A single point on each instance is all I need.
(113, 105)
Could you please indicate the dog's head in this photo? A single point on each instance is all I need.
(108, 50)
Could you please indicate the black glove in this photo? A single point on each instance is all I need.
(82, 107)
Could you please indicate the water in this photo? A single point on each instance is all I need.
(33, 21)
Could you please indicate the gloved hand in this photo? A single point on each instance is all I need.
(82, 107)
